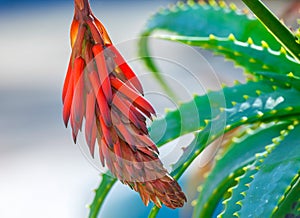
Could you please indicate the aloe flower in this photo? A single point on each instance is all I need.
(102, 94)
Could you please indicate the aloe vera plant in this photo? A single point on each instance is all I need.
(257, 173)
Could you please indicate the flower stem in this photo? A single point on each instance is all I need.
(154, 211)
(101, 193)
(82, 8)
(281, 32)
(81, 4)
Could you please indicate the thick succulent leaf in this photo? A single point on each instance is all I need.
(239, 193)
(241, 152)
(242, 185)
(290, 206)
(232, 106)
(244, 104)
(100, 194)
(289, 80)
(270, 184)
(275, 26)
(253, 58)
(201, 20)
(281, 103)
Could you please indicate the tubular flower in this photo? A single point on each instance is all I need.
(101, 89)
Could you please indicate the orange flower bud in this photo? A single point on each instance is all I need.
(102, 89)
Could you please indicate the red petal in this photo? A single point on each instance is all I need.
(124, 131)
(127, 71)
(67, 80)
(143, 127)
(90, 111)
(126, 136)
(74, 31)
(90, 123)
(102, 71)
(68, 101)
(101, 142)
(117, 150)
(135, 111)
(139, 101)
(102, 104)
(119, 159)
(147, 151)
(78, 69)
(74, 129)
(77, 110)
(93, 139)
(147, 141)
(95, 32)
(78, 40)
(117, 102)
(78, 102)
(107, 155)
(103, 31)
(106, 133)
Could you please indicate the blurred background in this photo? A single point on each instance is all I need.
(42, 173)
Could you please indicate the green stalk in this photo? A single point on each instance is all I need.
(281, 32)
(154, 211)
(101, 193)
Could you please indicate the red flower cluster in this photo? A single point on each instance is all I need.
(101, 88)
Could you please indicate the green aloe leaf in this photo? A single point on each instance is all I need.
(253, 109)
(239, 193)
(242, 184)
(232, 106)
(270, 184)
(201, 20)
(100, 194)
(240, 153)
(254, 59)
(244, 104)
(291, 202)
(282, 32)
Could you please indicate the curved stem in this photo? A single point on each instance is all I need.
(282, 33)
(82, 8)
